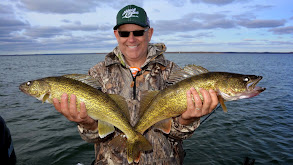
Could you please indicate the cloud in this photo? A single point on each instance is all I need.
(9, 23)
(89, 43)
(224, 24)
(258, 7)
(288, 43)
(65, 30)
(61, 7)
(76, 42)
(283, 30)
(193, 22)
(177, 3)
(66, 21)
(71, 6)
(18, 35)
(196, 36)
(79, 27)
(6, 9)
(8, 26)
(249, 39)
(216, 2)
(44, 32)
(261, 23)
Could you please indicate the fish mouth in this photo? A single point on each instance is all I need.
(22, 88)
(251, 87)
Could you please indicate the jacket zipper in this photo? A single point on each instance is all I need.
(134, 84)
(134, 87)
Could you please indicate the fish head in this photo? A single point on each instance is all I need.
(37, 88)
(237, 86)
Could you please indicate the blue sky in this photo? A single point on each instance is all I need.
(78, 26)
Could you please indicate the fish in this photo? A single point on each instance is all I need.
(109, 109)
(159, 107)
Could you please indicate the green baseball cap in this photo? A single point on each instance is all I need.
(132, 14)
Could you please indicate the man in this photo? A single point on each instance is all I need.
(7, 153)
(132, 67)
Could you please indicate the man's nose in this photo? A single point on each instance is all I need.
(131, 37)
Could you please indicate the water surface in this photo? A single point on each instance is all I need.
(258, 128)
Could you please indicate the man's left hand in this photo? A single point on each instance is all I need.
(197, 108)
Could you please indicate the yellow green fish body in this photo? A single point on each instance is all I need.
(109, 110)
(172, 101)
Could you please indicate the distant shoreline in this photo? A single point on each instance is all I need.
(57, 54)
(239, 52)
(165, 52)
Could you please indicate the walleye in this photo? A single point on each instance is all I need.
(172, 101)
(109, 110)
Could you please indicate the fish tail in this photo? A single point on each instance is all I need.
(135, 146)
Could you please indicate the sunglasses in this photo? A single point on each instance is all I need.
(136, 33)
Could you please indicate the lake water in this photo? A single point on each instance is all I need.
(260, 128)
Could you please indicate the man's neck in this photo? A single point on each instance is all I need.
(136, 63)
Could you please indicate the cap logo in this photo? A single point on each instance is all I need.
(130, 13)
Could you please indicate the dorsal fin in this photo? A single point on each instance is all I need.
(84, 78)
(186, 72)
(120, 101)
(195, 69)
(146, 98)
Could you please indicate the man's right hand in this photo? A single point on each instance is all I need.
(71, 113)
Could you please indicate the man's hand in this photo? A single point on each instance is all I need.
(71, 113)
(197, 108)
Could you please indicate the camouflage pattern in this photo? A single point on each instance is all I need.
(115, 76)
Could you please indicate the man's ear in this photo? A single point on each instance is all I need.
(150, 33)
(116, 34)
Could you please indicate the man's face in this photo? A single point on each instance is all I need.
(134, 48)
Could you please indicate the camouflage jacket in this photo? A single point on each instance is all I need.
(116, 78)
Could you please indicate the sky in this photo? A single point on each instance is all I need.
(86, 26)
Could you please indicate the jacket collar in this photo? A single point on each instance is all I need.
(155, 55)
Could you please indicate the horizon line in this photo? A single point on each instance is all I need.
(179, 52)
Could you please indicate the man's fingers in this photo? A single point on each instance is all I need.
(83, 113)
(56, 104)
(206, 101)
(72, 106)
(64, 103)
(190, 103)
(197, 99)
(214, 98)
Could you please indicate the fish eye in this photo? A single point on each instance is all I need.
(246, 79)
(28, 83)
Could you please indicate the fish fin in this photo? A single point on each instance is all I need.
(193, 70)
(120, 101)
(221, 100)
(135, 146)
(186, 72)
(84, 78)
(146, 98)
(164, 125)
(105, 128)
(118, 143)
(45, 97)
(136, 160)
